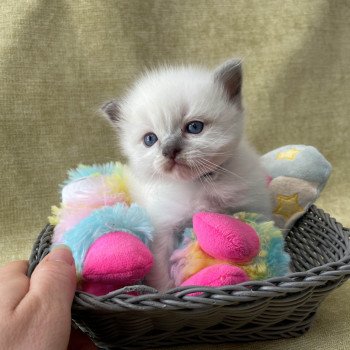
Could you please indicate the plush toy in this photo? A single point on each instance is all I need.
(225, 250)
(297, 175)
(109, 235)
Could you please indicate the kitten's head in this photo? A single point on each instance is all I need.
(180, 122)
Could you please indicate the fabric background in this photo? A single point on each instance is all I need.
(60, 60)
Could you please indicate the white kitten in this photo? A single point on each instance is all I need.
(182, 130)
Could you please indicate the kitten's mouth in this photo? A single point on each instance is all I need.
(172, 163)
(186, 171)
(178, 169)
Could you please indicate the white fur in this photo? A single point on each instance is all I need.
(163, 102)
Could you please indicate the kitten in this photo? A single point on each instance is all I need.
(182, 131)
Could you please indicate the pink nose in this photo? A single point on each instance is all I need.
(171, 152)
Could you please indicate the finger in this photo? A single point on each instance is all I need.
(55, 276)
(15, 266)
(14, 284)
(47, 304)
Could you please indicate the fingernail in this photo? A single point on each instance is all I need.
(61, 253)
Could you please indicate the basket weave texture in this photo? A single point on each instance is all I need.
(279, 307)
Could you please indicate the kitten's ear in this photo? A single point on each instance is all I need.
(230, 75)
(111, 110)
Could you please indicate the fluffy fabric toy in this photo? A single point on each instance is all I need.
(297, 174)
(225, 250)
(109, 235)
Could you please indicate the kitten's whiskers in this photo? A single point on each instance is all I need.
(221, 169)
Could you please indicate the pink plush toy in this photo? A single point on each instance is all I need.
(113, 261)
(108, 235)
(226, 250)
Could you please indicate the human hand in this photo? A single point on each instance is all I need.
(36, 312)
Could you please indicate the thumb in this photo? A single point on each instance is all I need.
(55, 276)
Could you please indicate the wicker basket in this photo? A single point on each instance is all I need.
(280, 307)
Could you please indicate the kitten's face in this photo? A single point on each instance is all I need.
(179, 123)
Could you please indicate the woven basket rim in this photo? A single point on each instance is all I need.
(243, 292)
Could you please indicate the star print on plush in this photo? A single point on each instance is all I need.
(288, 155)
(288, 205)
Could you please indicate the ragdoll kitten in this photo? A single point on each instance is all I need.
(182, 131)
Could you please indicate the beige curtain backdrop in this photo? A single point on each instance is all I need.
(59, 60)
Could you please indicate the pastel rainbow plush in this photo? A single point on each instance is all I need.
(226, 250)
(108, 235)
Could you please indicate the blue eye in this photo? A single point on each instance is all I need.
(150, 139)
(194, 127)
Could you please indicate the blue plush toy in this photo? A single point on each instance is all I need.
(298, 174)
